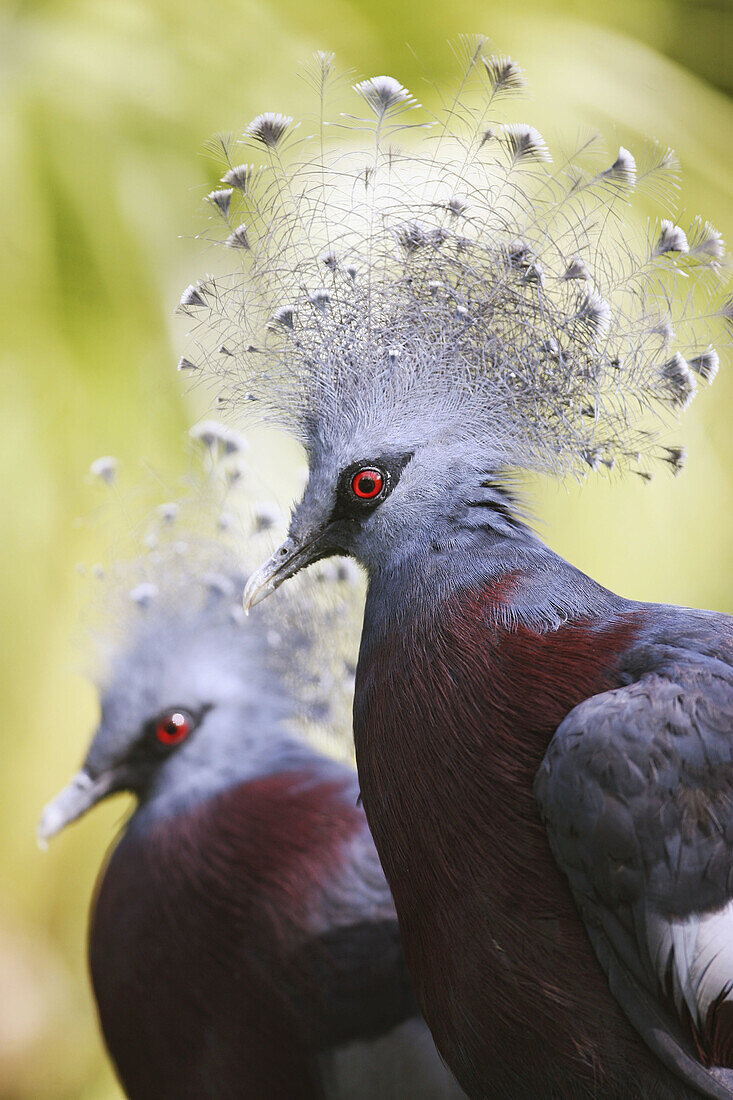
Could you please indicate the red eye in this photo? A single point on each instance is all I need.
(173, 728)
(367, 484)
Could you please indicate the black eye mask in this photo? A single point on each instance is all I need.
(355, 495)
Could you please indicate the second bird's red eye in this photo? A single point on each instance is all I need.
(367, 484)
(173, 728)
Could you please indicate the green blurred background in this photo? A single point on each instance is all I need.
(106, 105)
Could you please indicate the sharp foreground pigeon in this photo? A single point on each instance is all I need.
(243, 942)
(547, 768)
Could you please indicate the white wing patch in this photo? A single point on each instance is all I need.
(697, 953)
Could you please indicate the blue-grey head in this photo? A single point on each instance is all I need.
(428, 318)
(194, 697)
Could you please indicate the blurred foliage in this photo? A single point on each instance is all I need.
(104, 109)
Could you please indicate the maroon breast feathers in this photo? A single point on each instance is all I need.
(453, 717)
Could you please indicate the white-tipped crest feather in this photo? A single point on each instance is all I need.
(269, 128)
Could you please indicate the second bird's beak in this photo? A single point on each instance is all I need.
(78, 796)
(291, 556)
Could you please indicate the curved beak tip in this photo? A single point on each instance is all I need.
(79, 795)
(47, 828)
(256, 589)
(52, 822)
(270, 574)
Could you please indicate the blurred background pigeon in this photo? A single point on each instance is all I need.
(243, 940)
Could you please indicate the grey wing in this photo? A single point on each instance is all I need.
(378, 1043)
(636, 791)
(401, 1065)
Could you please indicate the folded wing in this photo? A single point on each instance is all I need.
(636, 791)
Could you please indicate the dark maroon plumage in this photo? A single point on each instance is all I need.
(455, 711)
(198, 938)
(481, 703)
(247, 946)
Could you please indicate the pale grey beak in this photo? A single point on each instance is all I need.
(283, 563)
(78, 796)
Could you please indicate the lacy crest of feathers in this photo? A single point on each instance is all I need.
(465, 281)
(181, 569)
